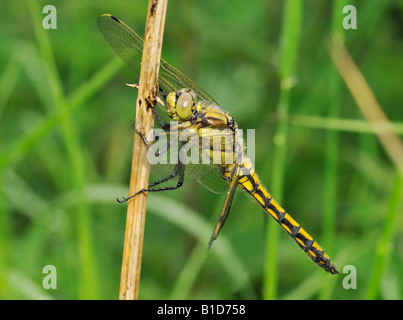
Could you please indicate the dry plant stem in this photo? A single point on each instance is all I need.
(392, 144)
(136, 209)
(367, 102)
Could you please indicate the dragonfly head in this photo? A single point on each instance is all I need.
(181, 104)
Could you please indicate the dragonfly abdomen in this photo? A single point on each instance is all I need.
(250, 182)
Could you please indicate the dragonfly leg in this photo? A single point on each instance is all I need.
(164, 126)
(141, 135)
(164, 94)
(178, 171)
(159, 152)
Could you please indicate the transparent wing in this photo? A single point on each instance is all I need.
(208, 175)
(128, 46)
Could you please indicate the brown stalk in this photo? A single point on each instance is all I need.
(367, 102)
(136, 209)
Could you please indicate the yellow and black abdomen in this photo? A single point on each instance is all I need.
(249, 181)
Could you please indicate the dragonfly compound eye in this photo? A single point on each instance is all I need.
(184, 105)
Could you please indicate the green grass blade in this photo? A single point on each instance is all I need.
(343, 125)
(9, 77)
(186, 219)
(18, 150)
(192, 223)
(385, 244)
(88, 275)
(188, 275)
(292, 19)
(331, 153)
(6, 240)
(93, 85)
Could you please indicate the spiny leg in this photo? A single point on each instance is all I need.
(161, 151)
(164, 126)
(164, 94)
(141, 135)
(179, 168)
(178, 171)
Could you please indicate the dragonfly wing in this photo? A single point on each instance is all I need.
(227, 205)
(164, 155)
(128, 46)
(171, 77)
(209, 176)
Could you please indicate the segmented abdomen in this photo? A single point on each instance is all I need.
(250, 182)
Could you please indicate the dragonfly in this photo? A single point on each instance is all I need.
(194, 111)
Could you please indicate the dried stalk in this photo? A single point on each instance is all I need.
(367, 102)
(136, 209)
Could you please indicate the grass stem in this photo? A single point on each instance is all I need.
(89, 281)
(331, 154)
(292, 18)
(390, 141)
(136, 209)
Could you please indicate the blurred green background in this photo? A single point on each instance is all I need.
(66, 144)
